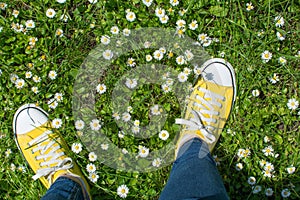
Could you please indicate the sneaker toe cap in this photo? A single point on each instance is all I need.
(27, 118)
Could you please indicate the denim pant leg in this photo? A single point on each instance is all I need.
(63, 189)
(194, 175)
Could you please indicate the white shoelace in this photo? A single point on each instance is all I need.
(55, 157)
(196, 122)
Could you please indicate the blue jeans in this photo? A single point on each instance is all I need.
(194, 176)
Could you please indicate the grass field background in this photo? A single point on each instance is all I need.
(258, 153)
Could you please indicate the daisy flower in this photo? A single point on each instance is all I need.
(174, 2)
(249, 6)
(279, 21)
(56, 123)
(79, 124)
(126, 116)
(35, 90)
(269, 192)
(143, 151)
(58, 97)
(155, 110)
(93, 177)
(180, 32)
(52, 103)
(104, 146)
(15, 13)
(268, 151)
(182, 12)
(36, 79)
(256, 189)
(114, 30)
(285, 193)
(13, 78)
(156, 162)
(266, 139)
(64, 18)
(159, 12)
(252, 180)
(193, 25)
(197, 70)
(131, 83)
(95, 125)
(61, 1)
(207, 42)
(129, 109)
(130, 16)
(76, 147)
(93, 1)
(90, 168)
(122, 191)
(136, 122)
(20, 83)
(28, 74)
(126, 32)
(7, 152)
(293, 104)
(32, 41)
(147, 44)
(59, 33)
(30, 24)
(92, 157)
(52, 74)
(50, 13)
(135, 129)
(269, 167)
(180, 23)
(241, 153)
(116, 115)
(148, 58)
(121, 134)
(105, 39)
(166, 88)
(107, 54)
(291, 170)
(158, 55)
(12, 167)
(255, 93)
(187, 71)
(164, 19)
(282, 60)
(101, 88)
(162, 50)
(274, 78)
(180, 60)
(182, 77)
(124, 151)
(164, 135)
(3, 5)
(147, 2)
(280, 36)
(130, 62)
(202, 37)
(239, 166)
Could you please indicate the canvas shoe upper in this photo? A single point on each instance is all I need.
(44, 150)
(209, 104)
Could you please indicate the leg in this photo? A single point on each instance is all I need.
(63, 189)
(194, 175)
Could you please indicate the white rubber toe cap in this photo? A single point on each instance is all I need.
(28, 117)
(219, 71)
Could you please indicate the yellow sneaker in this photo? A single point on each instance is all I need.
(44, 150)
(209, 104)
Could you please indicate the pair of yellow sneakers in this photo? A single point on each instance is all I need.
(209, 106)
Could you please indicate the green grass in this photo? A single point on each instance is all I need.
(237, 30)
